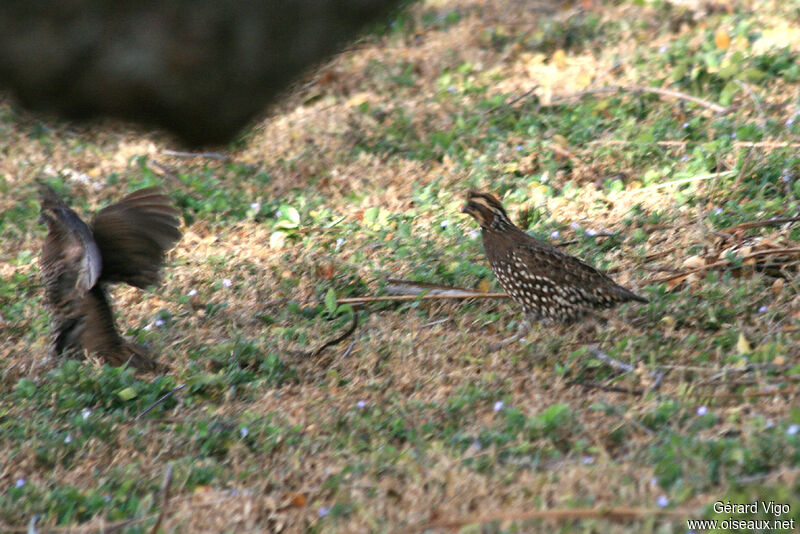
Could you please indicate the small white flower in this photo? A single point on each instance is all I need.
(733, 135)
(591, 232)
(323, 511)
(792, 430)
(243, 432)
(790, 122)
(451, 89)
(476, 445)
(717, 211)
(574, 225)
(555, 235)
(255, 206)
(588, 460)
(361, 404)
(68, 439)
(498, 406)
(445, 223)
(685, 158)
(685, 125)
(662, 501)
(20, 482)
(518, 148)
(227, 282)
(654, 481)
(107, 497)
(86, 413)
(159, 323)
(702, 410)
(339, 243)
(191, 293)
(473, 234)
(277, 214)
(762, 309)
(662, 49)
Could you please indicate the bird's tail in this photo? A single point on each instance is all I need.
(134, 235)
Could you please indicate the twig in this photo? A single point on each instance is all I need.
(164, 498)
(603, 387)
(360, 300)
(161, 399)
(559, 514)
(684, 144)
(511, 102)
(210, 155)
(643, 89)
(726, 262)
(613, 362)
(347, 352)
(754, 394)
(396, 286)
(757, 224)
(697, 178)
(105, 529)
(434, 323)
(348, 333)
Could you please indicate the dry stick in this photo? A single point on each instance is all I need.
(337, 340)
(559, 514)
(161, 399)
(361, 300)
(105, 529)
(724, 263)
(164, 497)
(782, 391)
(642, 89)
(210, 155)
(511, 102)
(603, 387)
(613, 362)
(682, 181)
(757, 224)
(683, 144)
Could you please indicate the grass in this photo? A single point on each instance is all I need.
(358, 178)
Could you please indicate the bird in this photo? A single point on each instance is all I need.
(126, 241)
(549, 284)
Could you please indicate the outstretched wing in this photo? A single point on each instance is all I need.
(133, 236)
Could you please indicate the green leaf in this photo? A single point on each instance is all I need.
(754, 75)
(371, 214)
(127, 394)
(330, 301)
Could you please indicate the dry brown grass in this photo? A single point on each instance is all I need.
(398, 363)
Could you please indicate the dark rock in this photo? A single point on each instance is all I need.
(200, 68)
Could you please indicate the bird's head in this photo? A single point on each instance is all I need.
(51, 204)
(487, 210)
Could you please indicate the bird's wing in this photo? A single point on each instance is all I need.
(134, 234)
(572, 278)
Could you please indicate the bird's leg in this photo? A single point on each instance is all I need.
(522, 329)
